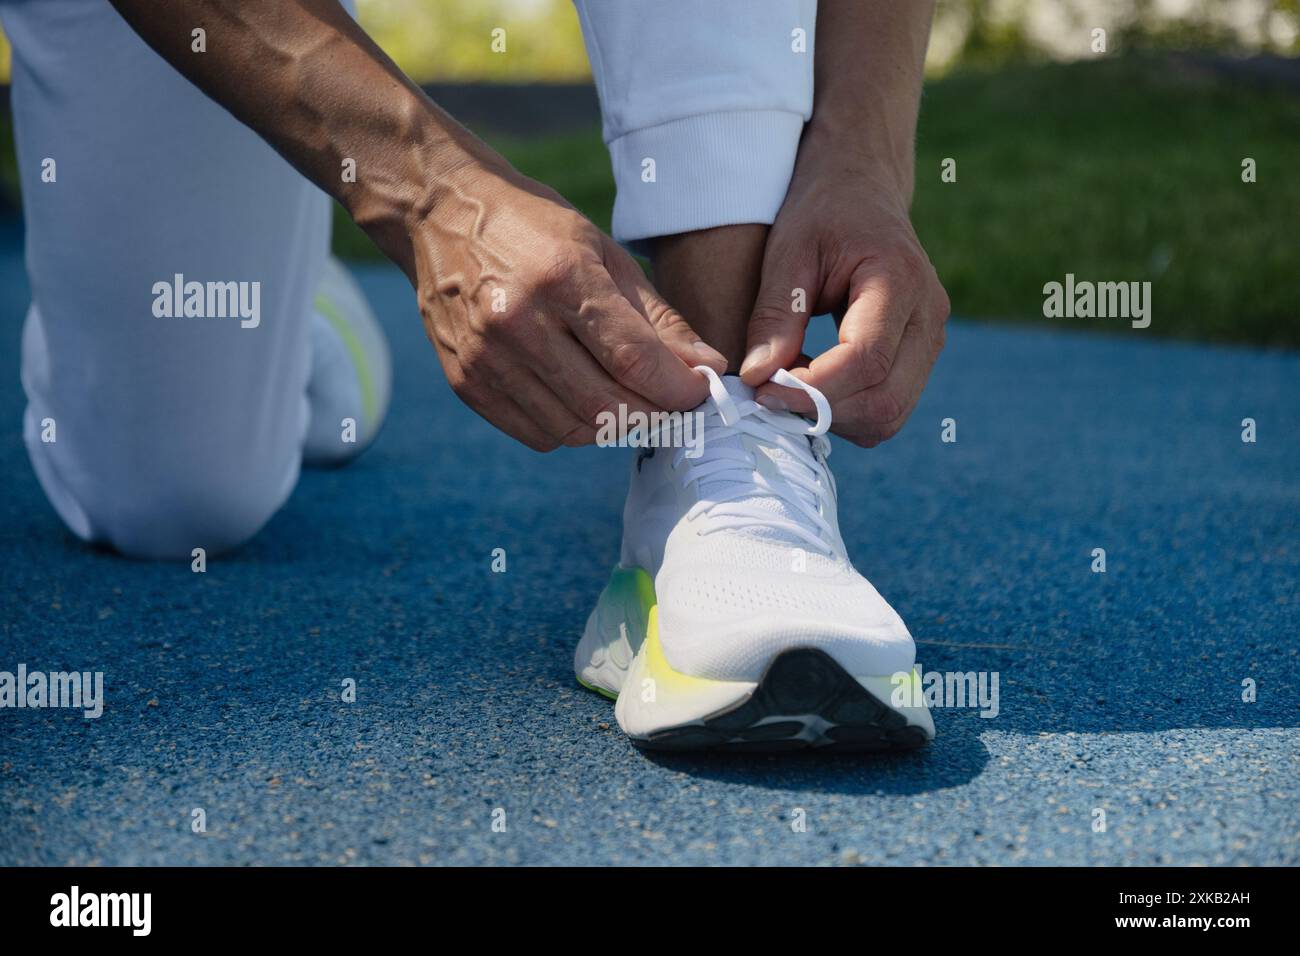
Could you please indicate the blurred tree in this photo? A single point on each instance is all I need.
(451, 40)
(442, 40)
(999, 32)
(995, 34)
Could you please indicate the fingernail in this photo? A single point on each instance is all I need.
(757, 356)
(773, 403)
(710, 354)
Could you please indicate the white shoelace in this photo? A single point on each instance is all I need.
(728, 472)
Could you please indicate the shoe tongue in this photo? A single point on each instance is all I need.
(761, 499)
(737, 389)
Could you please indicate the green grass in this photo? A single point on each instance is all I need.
(1116, 170)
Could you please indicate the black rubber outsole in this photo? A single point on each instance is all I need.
(798, 683)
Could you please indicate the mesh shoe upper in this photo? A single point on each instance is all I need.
(746, 552)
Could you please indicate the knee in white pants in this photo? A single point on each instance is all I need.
(155, 502)
(215, 516)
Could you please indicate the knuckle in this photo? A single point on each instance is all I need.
(663, 316)
(542, 443)
(508, 322)
(940, 340)
(632, 363)
(874, 363)
(557, 275)
(772, 315)
(870, 436)
(464, 387)
(593, 313)
(667, 318)
(943, 305)
(886, 407)
(579, 435)
(473, 363)
(599, 406)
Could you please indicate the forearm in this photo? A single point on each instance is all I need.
(304, 76)
(870, 62)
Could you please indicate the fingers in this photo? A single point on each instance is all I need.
(560, 424)
(673, 330)
(882, 297)
(628, 347)
(870, 414)
(587, 390)
(782, 399)
(500, 409)
(550, 390)
(776, 328)
(542, 323)
(876, 414)
(517, 422)
(527, 372)
(681, 339)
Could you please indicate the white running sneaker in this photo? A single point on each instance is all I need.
(351, 371)
(734, 619)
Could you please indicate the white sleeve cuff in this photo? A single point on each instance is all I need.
(713, 169)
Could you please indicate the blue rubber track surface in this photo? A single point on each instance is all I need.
(1119, 691)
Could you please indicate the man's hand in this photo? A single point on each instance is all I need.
(844, 238)
(540, 320)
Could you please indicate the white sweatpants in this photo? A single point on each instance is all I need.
(703, 104)
(176, 433)
(169, 433)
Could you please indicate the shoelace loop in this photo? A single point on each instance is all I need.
(731, 414)
(795, 477)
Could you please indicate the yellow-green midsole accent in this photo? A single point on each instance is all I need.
(634, 589)
(339, 324)
(599, 690)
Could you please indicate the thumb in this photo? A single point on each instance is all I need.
(776, 326)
